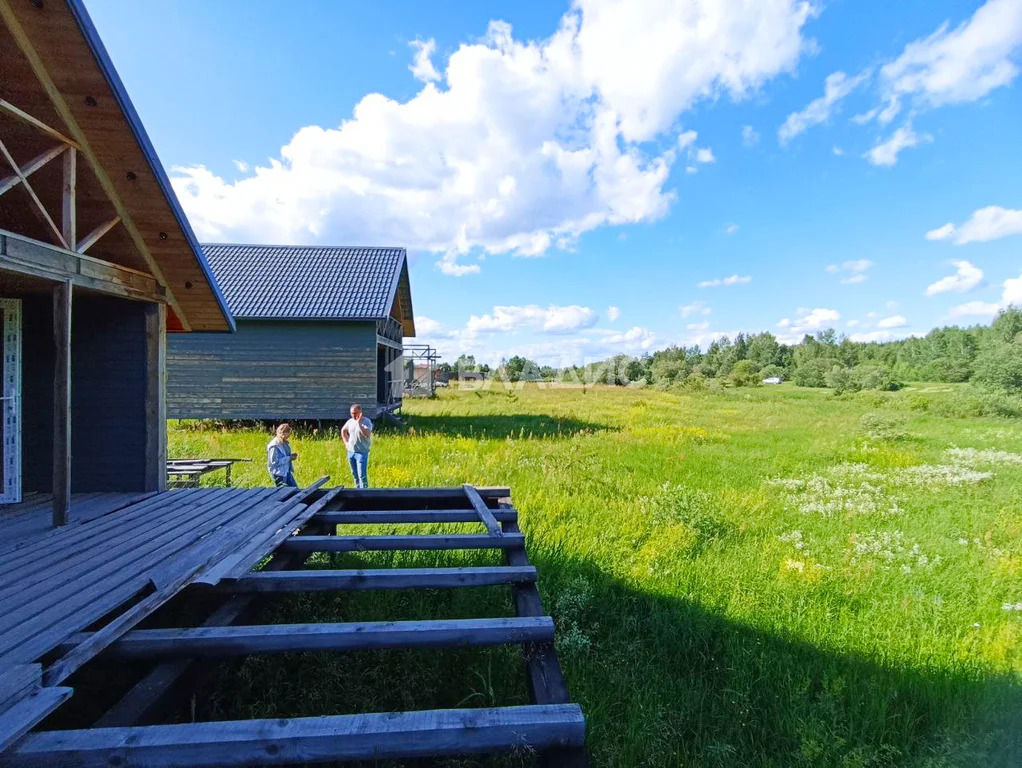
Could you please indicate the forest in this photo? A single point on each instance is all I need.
(989, 356)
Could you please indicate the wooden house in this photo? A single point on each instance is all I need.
(97, 263)
(318, 328)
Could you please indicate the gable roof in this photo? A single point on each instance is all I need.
(293, 282)
(56, 70)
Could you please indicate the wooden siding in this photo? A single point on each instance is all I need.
(108, 376)
(272, 370)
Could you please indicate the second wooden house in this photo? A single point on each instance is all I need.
(318, 328)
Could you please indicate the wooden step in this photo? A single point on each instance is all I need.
(400, 542)
(380, 578)
(288, 638)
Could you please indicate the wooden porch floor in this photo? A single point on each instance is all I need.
(121, 556)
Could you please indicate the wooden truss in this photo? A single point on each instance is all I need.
(66, 234)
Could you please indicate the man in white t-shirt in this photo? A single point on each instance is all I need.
(357, 434)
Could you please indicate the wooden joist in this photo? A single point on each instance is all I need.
(484, 512)
(400, 542)
(410, 516)
(290, 638)
(385, 736)
(381, 578)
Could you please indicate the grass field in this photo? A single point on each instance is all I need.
(745, 577)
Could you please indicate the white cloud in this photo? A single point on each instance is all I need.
(641, 337)
(974, 309)
(869, 336)
(690, 169)
(886, 152)
(985, 224)
(941, 233)
(731, 280)
(836, 87)
(422, 64)
(551, 319)
(449, 265)
(695, 308)
(1011, 295)
(895, 321)
(705, 155)
(750, 136)
(687, 138)
(613, 313)
(810, 320)
(704, 325)
(730, 229)
(241, 165)
(520, 145)
(953, 66)
(967, 277)
(853, 271)
(838, 151)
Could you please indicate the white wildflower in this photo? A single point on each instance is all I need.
(983, 456)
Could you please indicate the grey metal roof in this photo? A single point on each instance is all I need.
(310, 282)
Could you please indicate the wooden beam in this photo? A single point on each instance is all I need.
(40, 209)
(90, 239)
(31, 257)
(60, 104)
(68, 215)
(381, 578)
(156, 397)
(150, 698)
(19, 719)
(421, 498)
(31, 167)
(401, 542)
(484, 512)
(286, 741)
(355, 636)
(410, 516)
(62, 293)
(10, 109)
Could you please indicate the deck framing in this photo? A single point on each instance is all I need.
(287, 528)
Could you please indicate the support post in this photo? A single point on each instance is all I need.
(61, 402)
(155, 397)
(69, 225)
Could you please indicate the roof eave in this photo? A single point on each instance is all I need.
(99, 51)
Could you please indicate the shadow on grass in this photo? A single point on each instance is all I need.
(662, 681)
(503, 426)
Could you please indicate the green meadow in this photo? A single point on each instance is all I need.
(772, 576)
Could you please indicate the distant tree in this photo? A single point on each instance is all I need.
(745, 373)
(840, 379)
(1000, 366)
(813, 373)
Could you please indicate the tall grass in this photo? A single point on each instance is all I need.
(764, 577)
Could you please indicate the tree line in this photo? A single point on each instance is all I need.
(989, 355)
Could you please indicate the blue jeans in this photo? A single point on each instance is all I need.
(359, 463)
(289, 481)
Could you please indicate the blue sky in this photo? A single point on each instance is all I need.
(566, 176)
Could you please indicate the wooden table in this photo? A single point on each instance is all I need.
(185, 473)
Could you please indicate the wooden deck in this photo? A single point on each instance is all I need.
(71, 594)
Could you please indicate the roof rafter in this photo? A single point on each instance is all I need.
(78, 137)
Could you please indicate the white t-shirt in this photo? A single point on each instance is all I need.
(355, 442)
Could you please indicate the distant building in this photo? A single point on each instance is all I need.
(318, 328)
(773, 380)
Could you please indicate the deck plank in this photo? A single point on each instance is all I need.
(401, 542)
